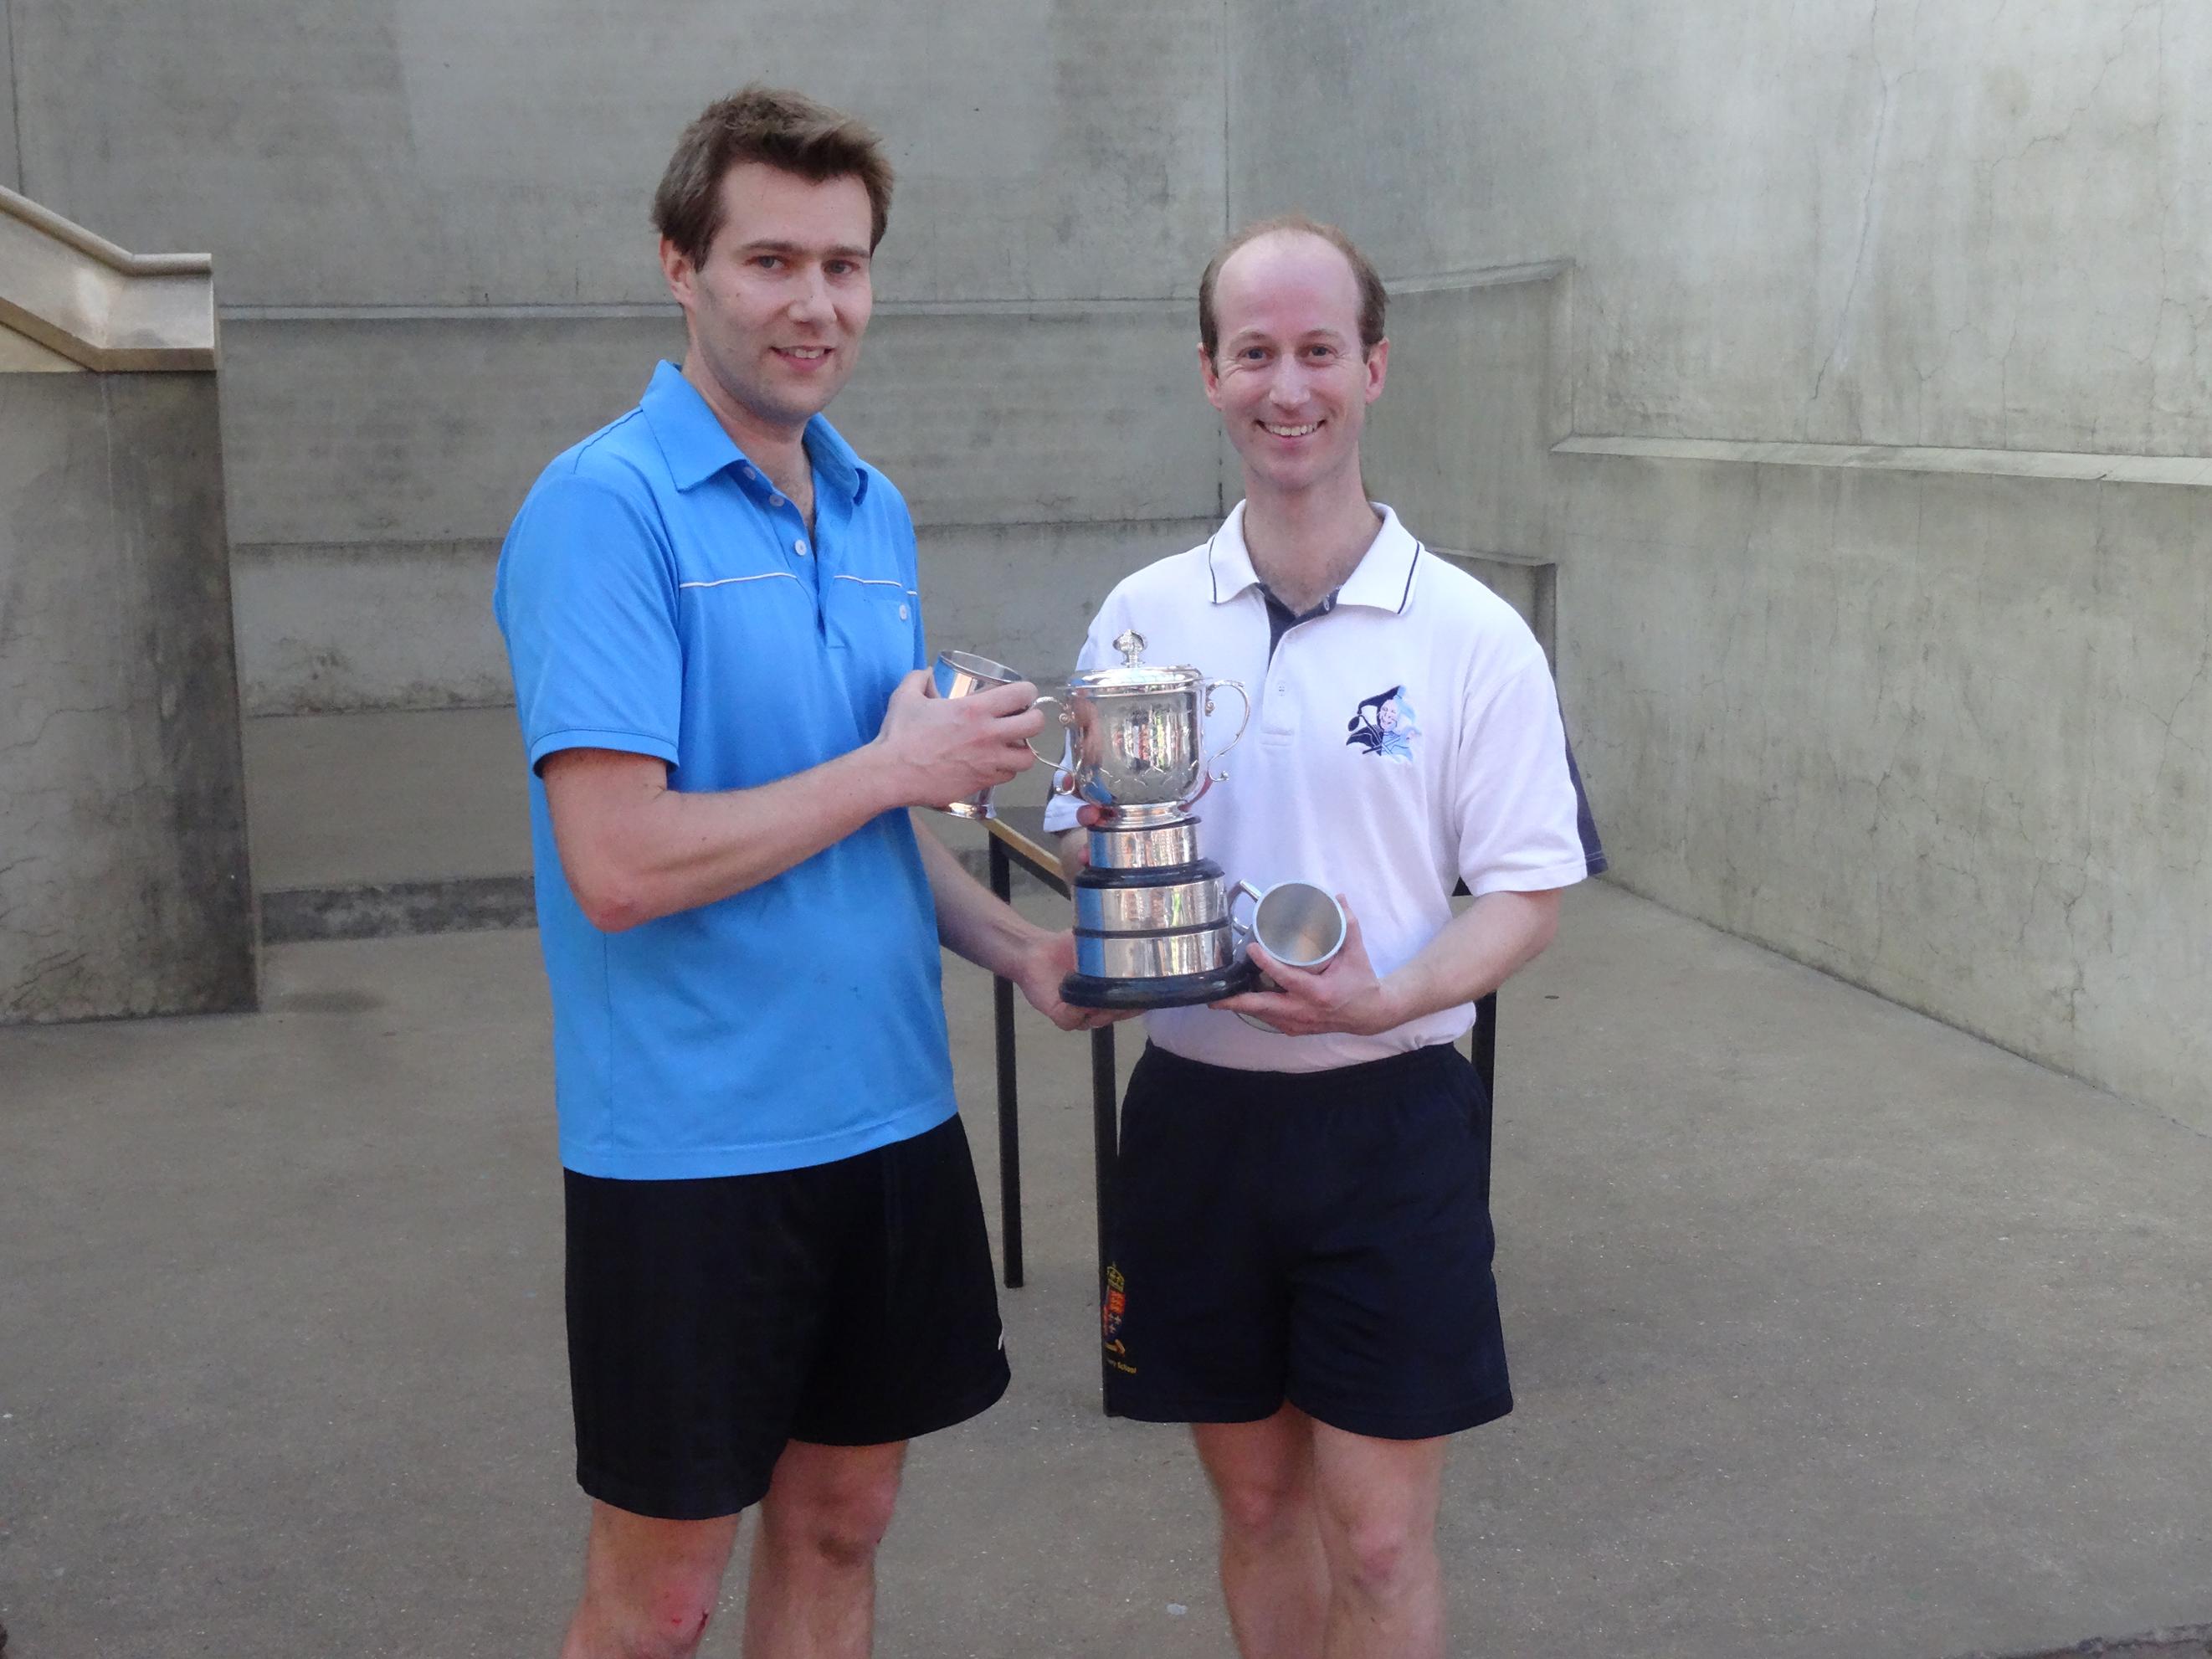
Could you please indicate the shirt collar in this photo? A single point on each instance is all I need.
(696, 447)
(1383, 581)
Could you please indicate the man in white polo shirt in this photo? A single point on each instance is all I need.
(1301, 1263)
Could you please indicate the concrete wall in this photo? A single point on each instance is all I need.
(1883, 622)
(430, 226)
(1976, 225)
(123, 880)
(10, 173)
(1698, 304)
(369, 503)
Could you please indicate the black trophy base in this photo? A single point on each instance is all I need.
(1182, 991)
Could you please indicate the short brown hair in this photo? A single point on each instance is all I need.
(1372, 298)
(781, 127)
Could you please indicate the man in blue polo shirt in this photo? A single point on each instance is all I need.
(1302, 1253)
(777, 1270)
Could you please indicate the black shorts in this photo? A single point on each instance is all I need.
(1321, 1238)
(711, 1321)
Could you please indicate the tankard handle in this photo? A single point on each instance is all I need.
(1242, 931)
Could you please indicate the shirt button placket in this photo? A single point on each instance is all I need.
(1278, 716)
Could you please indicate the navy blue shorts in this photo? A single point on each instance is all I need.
(1321, 1238)
(712, 1321)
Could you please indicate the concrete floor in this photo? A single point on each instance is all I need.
(1836, 1333)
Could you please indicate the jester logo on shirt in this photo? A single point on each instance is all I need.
(1384, 725)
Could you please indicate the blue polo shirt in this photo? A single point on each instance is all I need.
(659, 596)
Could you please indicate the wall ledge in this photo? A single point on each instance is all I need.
(601, 311)
(100, 306)
(2191, 472)
(1451, 281)
(1046, 310)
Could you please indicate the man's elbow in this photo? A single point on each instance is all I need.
(1542, 925)
(612, 901)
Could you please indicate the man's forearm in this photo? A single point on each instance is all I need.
(970, 920)
(1475, 952)
(637, 850)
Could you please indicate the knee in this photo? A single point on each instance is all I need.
(665, 1618)
(1264, 1505)
(1378, 1558)
(842, 1525)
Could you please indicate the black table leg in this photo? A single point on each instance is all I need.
(1483, 1045)
(1484, 1042)
(1106, 1155)
(1009, 1132)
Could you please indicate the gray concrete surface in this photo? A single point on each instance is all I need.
(124, 883)
(1461, 441)
(1836, 1333)
(399, 152)
(1949, 736)
(398, 795)
(11, 175)
(1837, 220)
(408, 625)
(1869, 233)
(377, 466)
(2192, 1643)
(1936, 718)
(437, 270)
(386, 796)
(432, 430)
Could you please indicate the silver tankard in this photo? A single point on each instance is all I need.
(962, 674)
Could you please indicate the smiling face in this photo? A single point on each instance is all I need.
(1290, 379)
(776, 309)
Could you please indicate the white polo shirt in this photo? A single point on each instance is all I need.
(1404, 741)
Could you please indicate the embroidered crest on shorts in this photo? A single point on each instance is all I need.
(1383, 726)
(1109, 1320)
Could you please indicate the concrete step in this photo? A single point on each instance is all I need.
(400, 822)
(388, 822)
(2192, 1642)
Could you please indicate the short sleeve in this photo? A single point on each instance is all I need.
(1515, 801)
(586, 601)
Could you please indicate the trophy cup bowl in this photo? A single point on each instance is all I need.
(1137, 745)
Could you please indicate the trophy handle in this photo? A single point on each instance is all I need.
(1063, 780)
(1243, 697)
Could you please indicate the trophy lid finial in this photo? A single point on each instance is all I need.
(1131, 644)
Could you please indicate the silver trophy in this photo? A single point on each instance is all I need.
(1151, 918)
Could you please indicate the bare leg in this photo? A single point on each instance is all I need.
(1378, 1527)
(813, 1587)
(1273, 1574)
(649, 1586)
